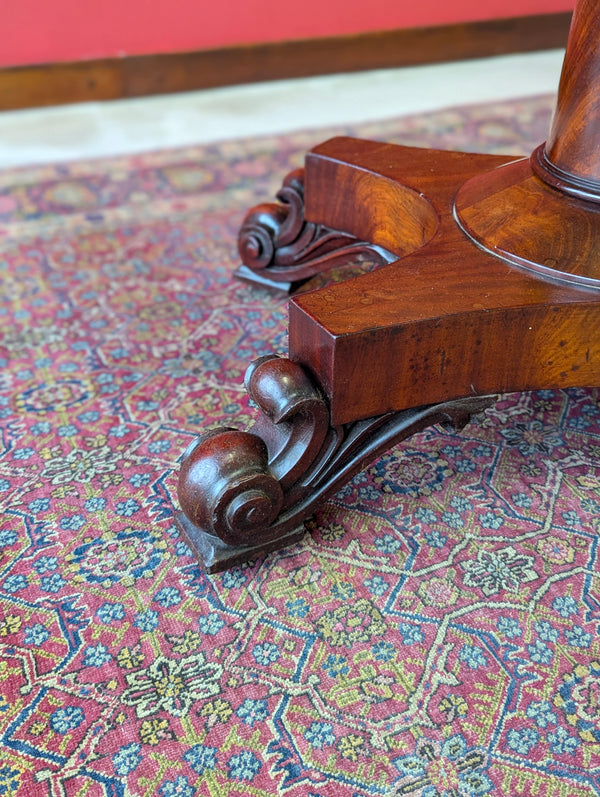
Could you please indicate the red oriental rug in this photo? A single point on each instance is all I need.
(436, 632)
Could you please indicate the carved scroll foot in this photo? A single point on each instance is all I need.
(215, 555)
(280, 249)
(247, 493)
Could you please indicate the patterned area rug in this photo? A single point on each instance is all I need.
(436, 632)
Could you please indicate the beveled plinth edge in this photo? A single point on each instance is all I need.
(513, 214)
(215, 556)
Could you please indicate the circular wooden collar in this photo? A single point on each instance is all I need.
(565, 182)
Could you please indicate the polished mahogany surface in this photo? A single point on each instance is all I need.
(448, 320)
(489, 282)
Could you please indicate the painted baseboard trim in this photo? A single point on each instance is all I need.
(142, 75)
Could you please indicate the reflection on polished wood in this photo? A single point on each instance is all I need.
(493, 286)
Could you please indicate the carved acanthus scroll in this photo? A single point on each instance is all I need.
(279, 248)
(245, 493)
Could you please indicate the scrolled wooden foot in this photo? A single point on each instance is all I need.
(247, 493)
(281, 250)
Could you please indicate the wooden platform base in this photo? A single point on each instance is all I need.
(424, 339)
(491, 284)
(449, 318)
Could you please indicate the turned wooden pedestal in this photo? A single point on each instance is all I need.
(489, 282)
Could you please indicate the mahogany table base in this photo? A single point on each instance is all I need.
(489, 284)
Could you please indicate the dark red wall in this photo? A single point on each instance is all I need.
(43, 31)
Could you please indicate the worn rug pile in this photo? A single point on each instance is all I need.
(435, 633)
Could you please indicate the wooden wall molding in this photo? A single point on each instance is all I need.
(136, 76)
